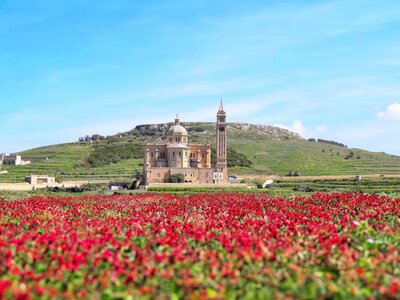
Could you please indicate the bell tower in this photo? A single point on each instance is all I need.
(222, 162)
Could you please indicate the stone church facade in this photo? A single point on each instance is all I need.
(176, 155)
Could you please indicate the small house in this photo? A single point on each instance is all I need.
(40, 179)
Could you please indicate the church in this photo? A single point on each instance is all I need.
(176, 155)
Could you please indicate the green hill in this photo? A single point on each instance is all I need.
(254, 149)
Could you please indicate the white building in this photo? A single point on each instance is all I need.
(14, 159)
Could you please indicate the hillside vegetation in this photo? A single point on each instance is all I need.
(253, 149)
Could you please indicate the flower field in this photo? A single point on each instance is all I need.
(202, 246)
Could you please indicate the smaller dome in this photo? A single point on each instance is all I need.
(177, 129)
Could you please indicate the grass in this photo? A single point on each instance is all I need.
(268, 155)
(61, 163)
(388, 186)
(279, 156)
(284, 188)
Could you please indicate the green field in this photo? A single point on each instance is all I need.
(62, 163)
(269, 156)
(278, 156)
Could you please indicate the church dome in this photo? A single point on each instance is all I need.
(177, 129)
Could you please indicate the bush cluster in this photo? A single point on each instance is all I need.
(196, 129)
(177, 178)
(106, 154)
(84, 188)
(327, 142)
(293, 174)
(235, 158)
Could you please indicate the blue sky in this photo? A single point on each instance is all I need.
(325, 69)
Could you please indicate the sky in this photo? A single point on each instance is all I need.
(324, 69)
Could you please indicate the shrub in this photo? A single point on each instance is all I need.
(105, 154)
(293, 174)
(303, 187)
(331, 143)
(177, 178)
(350, 155)
(196, 129)
(235, 158)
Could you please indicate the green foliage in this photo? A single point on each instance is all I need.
(389, 186)
(293, 174)
(235, 158)
(196, 129)
(105, 154)
(350, 155)
(303, 187)
(177, 178)
(82, 189)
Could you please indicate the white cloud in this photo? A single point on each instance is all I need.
(297, 127)
(392, 112)
(302, 130)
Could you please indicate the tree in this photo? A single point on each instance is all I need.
(235, 158)
(177, 178)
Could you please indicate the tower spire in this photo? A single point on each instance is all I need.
(221, 106)
(221, 145)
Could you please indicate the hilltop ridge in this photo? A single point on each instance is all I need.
(272, 131)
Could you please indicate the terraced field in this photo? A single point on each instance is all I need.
(279, 156)
(368, 185)
(62, 163)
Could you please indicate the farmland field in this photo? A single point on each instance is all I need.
(268, 155)
(201, 246)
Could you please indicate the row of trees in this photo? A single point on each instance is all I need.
(327, 142)
(92, 138)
